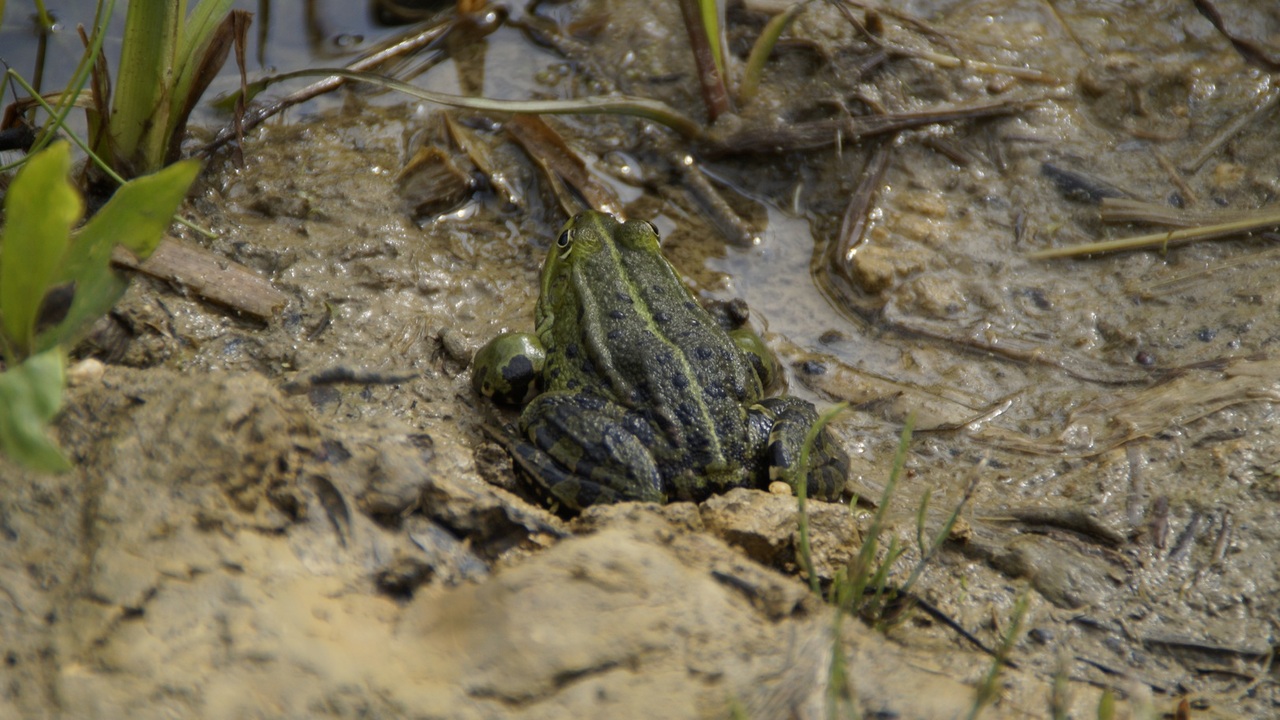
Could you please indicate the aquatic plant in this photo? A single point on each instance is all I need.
(167, 60)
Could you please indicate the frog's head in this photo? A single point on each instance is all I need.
(590, 232)
(586, 258)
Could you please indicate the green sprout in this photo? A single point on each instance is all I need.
(42, 260)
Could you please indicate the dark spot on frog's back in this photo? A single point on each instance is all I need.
(571, 351)
(679, 381)
(661, 317)
(617, 314)
(702, 353)
(614, 334)
(584, 467)
(641, 396)
(635, 424)
(545, 436)
(686, 413)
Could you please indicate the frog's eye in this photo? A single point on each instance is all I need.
(654, 229)
(565, 238)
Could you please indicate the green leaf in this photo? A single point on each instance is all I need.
(41, 206)
(197, 33)
(137, 217)
(30, 396)
(206, 41)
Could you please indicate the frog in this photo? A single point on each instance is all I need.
(633, 391)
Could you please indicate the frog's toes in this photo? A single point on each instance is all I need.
(828, 463)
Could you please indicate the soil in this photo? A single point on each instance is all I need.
(304, 517)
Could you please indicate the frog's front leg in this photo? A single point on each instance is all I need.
(585, 450)
(791, 419)
(508, 367)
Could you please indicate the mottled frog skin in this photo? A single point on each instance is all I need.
(644, 396)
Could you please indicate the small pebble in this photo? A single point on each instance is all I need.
(778, 487)
(89, 370)
(455, 345)
(1041, 636)
(811, 367)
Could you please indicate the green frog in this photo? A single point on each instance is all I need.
(644, 395)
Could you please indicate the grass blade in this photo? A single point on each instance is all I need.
(712, 15)
(988, 690)
(78, 78)
(861, 567)
(81, 98)
(702, 24)
(800, 482)
(761, 50)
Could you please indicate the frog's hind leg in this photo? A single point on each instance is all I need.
(584, 450)
(792, 418)
(564, 494)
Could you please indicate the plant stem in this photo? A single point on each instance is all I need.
(140, 106)
(654, 110)
(709, 63)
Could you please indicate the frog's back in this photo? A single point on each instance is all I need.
(667, 359)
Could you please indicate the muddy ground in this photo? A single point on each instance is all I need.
(245, 537)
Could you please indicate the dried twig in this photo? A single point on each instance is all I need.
(1175, 176)
(209, 275)
(1128, 210)
(374, 59)
(853, 225)
(1265, 104)
(825, 133)
(732, 227)
(1162, 240)
(561, 164)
